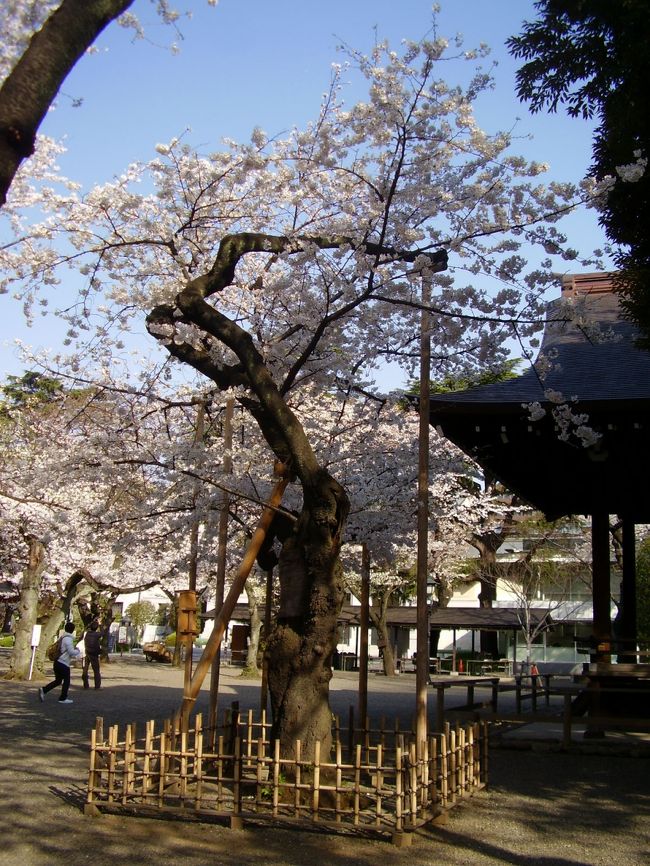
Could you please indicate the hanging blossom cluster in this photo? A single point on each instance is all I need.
(633, 171)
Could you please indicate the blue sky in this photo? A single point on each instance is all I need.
(266, 63)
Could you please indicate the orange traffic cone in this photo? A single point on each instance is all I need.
(461, 666)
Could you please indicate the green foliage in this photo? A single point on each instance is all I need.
(643, 591)
(591, 57)
(463, 381)
(141, 613)
(30, 387)
(448, 384)
(7, 640)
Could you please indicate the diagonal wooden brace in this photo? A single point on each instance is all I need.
(214, 641)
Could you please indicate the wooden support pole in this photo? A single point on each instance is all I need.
(222, 550)
(602, 622)
(628, 631)
(268, 610)
(422, 664)
(363, 631)
(236, 589)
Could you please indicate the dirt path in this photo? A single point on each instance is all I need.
(541, 808)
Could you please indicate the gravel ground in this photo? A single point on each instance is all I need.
(542, 807)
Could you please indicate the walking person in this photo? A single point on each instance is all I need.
(92, 652)
(68, 651)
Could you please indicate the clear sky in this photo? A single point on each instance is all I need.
(247, 63)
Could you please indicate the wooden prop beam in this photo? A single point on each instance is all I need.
(221, 621)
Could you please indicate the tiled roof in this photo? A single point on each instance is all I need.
(587, 366)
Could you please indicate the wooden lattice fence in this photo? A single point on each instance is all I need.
(373, 779)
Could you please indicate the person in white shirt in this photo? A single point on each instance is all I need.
(68, 651)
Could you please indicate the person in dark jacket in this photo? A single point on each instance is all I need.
(67, 652)
(92, 647)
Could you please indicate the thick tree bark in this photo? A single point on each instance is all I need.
(300, 648)
(28, 609)
(33, 84)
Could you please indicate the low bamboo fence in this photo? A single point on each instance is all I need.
(373, 780)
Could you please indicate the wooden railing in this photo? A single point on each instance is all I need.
(373, 780)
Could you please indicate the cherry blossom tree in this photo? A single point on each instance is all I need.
(275, 266)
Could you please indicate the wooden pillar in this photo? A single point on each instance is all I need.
(268, 611)
(363, 635)
(601, 590)
(222, 545)
(628, 619)
(422, 664)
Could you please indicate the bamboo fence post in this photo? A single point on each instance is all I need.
(236, 787)
(260, 775)
(297, 778)
(315, 802)
(470, 758)
(339, 782)
(93, 763)
(198, 760)
(484, 752)
(444, 770)
(433, 771)
(399, 790)
(276, 776)
(249, 738)
(357, 783)
(379, 783)
(182, 767)
(146, 759)
(462, 750)
(413, 781)
(128, 775)
(112, 762)
(220, 767)
(162, 766)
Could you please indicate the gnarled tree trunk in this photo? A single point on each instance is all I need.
(27, 608)
(300, 648)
